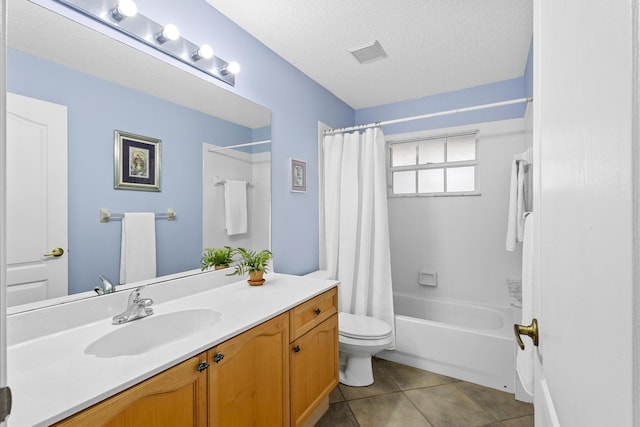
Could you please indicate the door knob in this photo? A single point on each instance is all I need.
(531, 331)
(55, 252)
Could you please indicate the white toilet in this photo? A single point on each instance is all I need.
(359, 337)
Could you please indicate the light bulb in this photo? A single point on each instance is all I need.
(169, 32)
(233, 67)
(124, 9)
(204, 52)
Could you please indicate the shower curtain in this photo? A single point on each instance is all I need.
(354, 222)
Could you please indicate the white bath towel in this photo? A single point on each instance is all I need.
(138, 247)
(235, 206)
(524, 358)
(515, 219)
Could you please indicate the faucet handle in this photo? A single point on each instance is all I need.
(145, 302)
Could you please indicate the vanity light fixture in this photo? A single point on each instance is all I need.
(203, 52)
(168, 33)
(124, 9)
(123, 16)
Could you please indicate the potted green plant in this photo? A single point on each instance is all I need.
(254, 263)
(217, 258)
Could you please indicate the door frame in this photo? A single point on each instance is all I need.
(635, 159)
(3, 194)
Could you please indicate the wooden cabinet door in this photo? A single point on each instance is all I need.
(175, 397)
(249, 377)
(314, 368)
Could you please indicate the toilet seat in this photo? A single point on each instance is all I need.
(362, 327)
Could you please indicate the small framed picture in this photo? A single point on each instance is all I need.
(137, 162)
(298, 176)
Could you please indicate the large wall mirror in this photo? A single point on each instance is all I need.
(68, 80)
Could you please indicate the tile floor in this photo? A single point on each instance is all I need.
(402, 396)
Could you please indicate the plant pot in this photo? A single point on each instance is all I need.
(220, 267)
(255, 278)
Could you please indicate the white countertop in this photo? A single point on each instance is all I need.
(51, 377)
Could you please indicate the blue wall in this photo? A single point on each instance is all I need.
(261, 134)
(95, 109)
(496, 92)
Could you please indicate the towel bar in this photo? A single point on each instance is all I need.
(105, 215)
(222, 181)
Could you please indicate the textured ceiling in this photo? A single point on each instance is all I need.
(433, 46)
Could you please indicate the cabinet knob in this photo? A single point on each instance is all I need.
(317, 311)
(296, 349)
(218, 357)
(202, 366)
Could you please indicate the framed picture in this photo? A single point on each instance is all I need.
(137, 162)
(298, 176)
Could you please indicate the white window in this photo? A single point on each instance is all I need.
(441, 165)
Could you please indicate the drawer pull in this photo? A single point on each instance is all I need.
(218, 357)
(202, 366)
(317, 311)
(296, 349)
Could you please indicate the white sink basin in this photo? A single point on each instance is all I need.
(143, 335)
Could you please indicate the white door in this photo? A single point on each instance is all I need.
(36, 200)
(583, 154)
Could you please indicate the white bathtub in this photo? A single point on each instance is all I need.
(465, 341)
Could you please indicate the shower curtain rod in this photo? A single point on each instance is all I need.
(248, 144)
(427, 116)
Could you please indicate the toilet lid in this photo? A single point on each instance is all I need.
(362, 327)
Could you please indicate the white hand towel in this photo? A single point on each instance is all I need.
(520, 203)
(235, 207)
(524, 358)
(515, 219)
(138, 247)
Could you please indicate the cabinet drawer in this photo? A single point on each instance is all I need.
(313, 312)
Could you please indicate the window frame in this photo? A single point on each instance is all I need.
(426, 166)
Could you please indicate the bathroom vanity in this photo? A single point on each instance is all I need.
(267, 356)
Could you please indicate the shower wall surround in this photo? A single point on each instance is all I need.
(461, 238)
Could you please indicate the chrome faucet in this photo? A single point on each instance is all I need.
(137, 308)
(107, 286)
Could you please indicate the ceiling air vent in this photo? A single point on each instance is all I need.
(369, 52)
